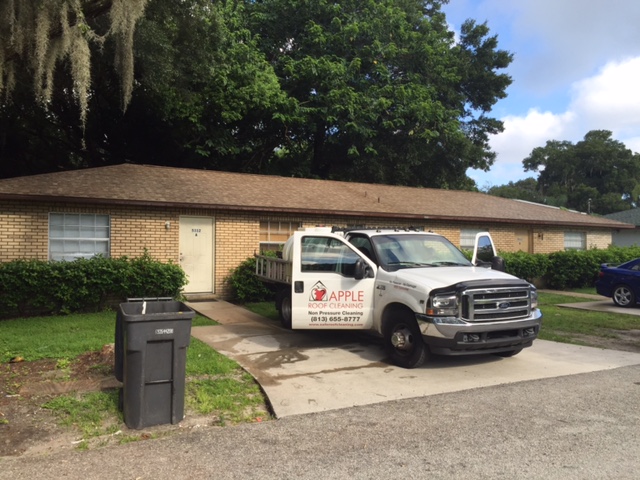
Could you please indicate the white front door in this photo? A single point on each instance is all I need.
(196, 253)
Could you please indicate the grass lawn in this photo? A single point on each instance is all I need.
(215, 385)
(564, 324)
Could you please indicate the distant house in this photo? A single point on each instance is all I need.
(626, 237)
(209, 221)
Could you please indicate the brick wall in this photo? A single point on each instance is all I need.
(599, 239)
(237, 238)
(134, 230)
(24, 231)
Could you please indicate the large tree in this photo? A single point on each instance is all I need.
(206, 96)
(39, 36)
(597, 174)
(51, 53)
(376, 91)
(202, 92)
(384, 93)
(526, 189)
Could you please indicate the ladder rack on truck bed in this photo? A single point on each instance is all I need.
(273, 269)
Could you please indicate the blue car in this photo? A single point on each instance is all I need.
(621, 283)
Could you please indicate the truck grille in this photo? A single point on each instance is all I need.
(486, 305)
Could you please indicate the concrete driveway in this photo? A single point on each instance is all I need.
(312, 371)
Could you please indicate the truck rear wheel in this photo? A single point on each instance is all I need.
(283, 305)
(403, 340)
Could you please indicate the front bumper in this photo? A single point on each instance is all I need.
(466, 338)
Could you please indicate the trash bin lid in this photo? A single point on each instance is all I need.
(155, 310)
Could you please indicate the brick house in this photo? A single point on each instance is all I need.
(626, 237)
(209, 221)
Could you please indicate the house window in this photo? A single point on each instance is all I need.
(468, 238)
(575, 241)
(78, 235)
(273, 234)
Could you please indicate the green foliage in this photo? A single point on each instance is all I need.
(233, 399)
(568, 269)
(571, 268)
(526, 189)
(571, 325)
(354, 90)
(266, 309)
(598, 174)
(383, 93)
(61, 337)
(575, 269)
(245, 285)
(90, 412)
(526, 265)
(203, 360)
(45, 287)
(215, 384)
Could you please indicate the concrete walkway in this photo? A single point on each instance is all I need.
(313, 371)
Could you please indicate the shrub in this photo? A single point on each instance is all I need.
(567, 269)
(44, 287)
(526, 265)
(245, 285)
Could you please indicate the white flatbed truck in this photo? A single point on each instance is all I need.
(414, 289)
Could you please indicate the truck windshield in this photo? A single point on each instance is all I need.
(409, 251)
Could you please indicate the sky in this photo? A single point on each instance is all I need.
(576, 68)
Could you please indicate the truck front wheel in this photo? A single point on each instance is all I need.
(403, 340)
(284, 307)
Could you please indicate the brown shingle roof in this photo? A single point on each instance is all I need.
(164, 186)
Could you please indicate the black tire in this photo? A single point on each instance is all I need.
(283, 305)
(623, 296)
(403, 340)
(508, 353)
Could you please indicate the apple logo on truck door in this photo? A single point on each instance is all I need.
(318, 292)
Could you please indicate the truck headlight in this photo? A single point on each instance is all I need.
(443, 306)
(534, 298)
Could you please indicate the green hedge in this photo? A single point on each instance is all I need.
(568, 269)
(245, 285)
(526, 265)
(44, 287)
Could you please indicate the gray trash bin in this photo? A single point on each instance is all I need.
(150, 360)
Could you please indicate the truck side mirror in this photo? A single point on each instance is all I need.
(483, 250)
(497, 263)
(362, 270)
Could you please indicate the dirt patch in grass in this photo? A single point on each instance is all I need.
(27, 428)
(625, 340)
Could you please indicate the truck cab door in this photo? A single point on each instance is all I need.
(333, 284)
(484, 252)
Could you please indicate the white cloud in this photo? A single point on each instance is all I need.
(555, 42)
(576, 68)
(523, 134)
(611, 99)
(633, 144)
